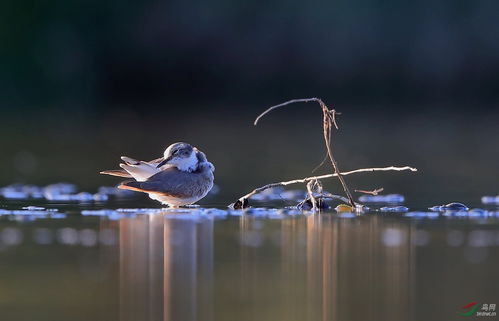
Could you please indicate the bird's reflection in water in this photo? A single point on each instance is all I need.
(166, 268)
(318, 267)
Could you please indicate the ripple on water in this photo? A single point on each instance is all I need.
(60, 192)
(430, 215)
(382, 199)
(490, 200)
(396, 209)
(31, 213)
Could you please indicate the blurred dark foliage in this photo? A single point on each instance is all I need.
(165, 54)
(83, 82)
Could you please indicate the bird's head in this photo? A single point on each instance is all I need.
(180, 155)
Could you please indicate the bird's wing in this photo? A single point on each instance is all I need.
(141, 172)
(171, 182)
(116, 172)
(133, 161)
(130, 161)
(133, 168)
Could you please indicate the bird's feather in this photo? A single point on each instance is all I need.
(173, 182)
(116, 172)
(133, 161)
(133, 168)
(141, 171)
(129, 160)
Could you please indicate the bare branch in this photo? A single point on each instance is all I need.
(329, 120)
(244, 199)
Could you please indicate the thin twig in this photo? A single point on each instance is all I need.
(321, 163)
(373, 192)
(311, 194)
(303, 100)
(244, 198)
(329, 120)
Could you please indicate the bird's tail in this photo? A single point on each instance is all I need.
(116, 172)
(131, 185)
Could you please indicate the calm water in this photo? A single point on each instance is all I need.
(213, 265)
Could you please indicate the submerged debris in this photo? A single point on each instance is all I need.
(343, 208)
(449, 207)
(239, 204)
(306, 204)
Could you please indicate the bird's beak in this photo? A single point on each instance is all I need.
(164, 161)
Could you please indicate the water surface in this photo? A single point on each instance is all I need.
(197, 264)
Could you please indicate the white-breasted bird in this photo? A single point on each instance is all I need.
(182, 176)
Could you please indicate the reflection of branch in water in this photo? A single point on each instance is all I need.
(329, 120)
(337, 253)
(244, 199)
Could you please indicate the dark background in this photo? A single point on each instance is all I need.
(83, 82)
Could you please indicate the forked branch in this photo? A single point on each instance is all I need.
(329, 121)
(244, 199)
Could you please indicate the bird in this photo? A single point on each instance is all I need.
(181, 177)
